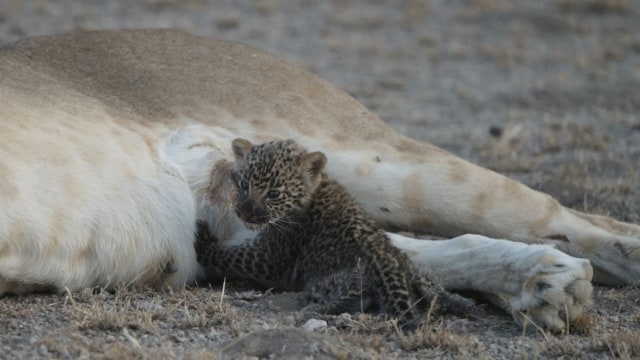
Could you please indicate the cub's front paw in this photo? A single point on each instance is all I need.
(204, 238)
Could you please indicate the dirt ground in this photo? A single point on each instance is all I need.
(547, 92)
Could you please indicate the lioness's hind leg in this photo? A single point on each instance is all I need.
(616, 227)
(430, 191)
(612, 247)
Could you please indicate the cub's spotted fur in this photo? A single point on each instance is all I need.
(313, 236)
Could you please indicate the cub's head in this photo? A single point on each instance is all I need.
(274, 179)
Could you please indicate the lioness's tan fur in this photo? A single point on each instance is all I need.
(102, 178)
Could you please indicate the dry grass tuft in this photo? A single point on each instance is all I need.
(122, 351)
(376, 344)
(103, 311)
(81, 346)
(212, 312)
(561, 347)
(143, 310)
(621, 296)
(128, 314)
(624, 344)
(363, 323)
(584, 326)
(438, 337)
(201, 355)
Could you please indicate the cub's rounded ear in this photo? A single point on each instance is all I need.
(314, 162)
(241, 147)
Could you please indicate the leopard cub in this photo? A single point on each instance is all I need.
(314, 237)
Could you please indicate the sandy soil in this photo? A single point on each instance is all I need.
(546, 91)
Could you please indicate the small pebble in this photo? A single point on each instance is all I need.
(289, 320)
(43, 351)
(457, 326)
(343, 320)
(314, 325)
(495, 131)
(213, 334)
(332, 330)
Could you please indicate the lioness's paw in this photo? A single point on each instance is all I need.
(557, 290)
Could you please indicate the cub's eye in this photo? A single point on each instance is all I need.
(273, 194)
(244, 185)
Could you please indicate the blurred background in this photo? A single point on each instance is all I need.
(546, 91)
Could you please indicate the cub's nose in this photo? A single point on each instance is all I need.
(245, 208)
(259, 211)
(250, 212)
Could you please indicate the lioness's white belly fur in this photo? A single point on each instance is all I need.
(87, 204)
(103, 173)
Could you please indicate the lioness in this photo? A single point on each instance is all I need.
(107, 139)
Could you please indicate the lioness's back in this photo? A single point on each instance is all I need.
(166, 74)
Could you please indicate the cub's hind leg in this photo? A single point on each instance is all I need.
(429, 292)
(404, 291)
(339, 292)
(391, 283)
